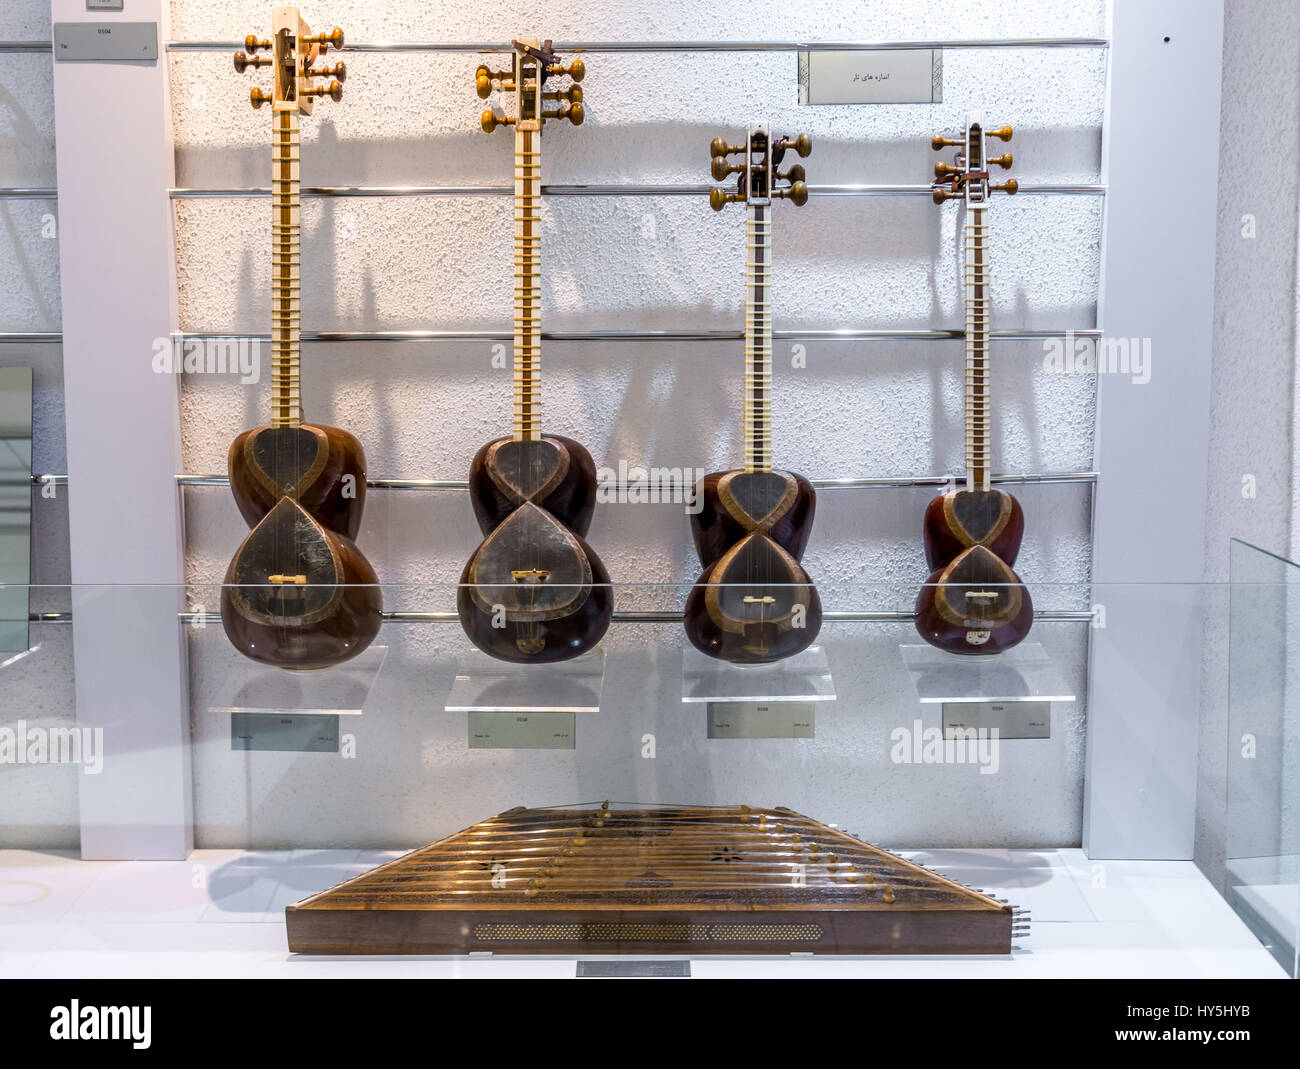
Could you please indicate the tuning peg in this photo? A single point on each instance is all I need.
(573, 112)
(720, 198)
(939, 142)
(1002, 133)
(573, 94)
(939, 195)
(1003, 161)
(255, 44)
(483, 79)
(943, 170)
(720, 168)
(719, 147)
(1009, 187)
(243, 62)
(339, 71)
(798, 193)
(794, 174)
(490, 120)
(802, 144)
(257, 98)
(334, 91)
(333, 39)
(577, 70)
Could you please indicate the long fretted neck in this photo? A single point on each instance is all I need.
(286, 263)
(977, 350)
(758, 339)
(528, 297)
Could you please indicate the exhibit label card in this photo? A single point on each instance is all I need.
(761, 720)
(105, 41)
(1011, 720)
(522, 731)
(886, 76)
(296, 733)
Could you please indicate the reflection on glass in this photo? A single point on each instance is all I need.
(15, 505)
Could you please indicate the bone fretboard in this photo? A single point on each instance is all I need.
(528, 319)
(758, 339)
(286, 264)
(977, 350)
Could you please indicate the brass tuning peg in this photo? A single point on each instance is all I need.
(483, 79)
(577, 70)
(720, 198)
(802, 144)
(1009, 187)
(798, 193)
(334, 91)
(573, 112)
(794, 174)
(943, 170)
(939, 142)
(719, 147)
(1003, 161)
(490, 120)
(243, 62)
(257, 98)
(572, 94)
(255, 44)
(333, 39)
(339, 71)
(1002, 133)
(720, 168)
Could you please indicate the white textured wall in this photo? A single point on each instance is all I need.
(858, 409)
(38, 804)
(1251, 423)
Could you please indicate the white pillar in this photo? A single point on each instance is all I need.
(115, 163)
(1160, 164)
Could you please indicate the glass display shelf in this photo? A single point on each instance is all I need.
(486, 685)
(1024, 673)
(341, 690)
(805, 677)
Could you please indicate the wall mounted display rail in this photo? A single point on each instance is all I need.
(685, 46)
(448, 616)
(25, 46)
(29, 193)
(630, 189)
(23, 337)
(835, 334)
(820, 484)
(1037, 478)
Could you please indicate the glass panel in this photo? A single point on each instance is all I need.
(1263, 818)
(291, 800)
(15, 505)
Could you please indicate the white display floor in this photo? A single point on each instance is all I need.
(220, 914)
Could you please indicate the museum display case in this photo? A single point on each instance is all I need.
(892, 576)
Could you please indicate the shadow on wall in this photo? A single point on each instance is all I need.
(831, 238)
